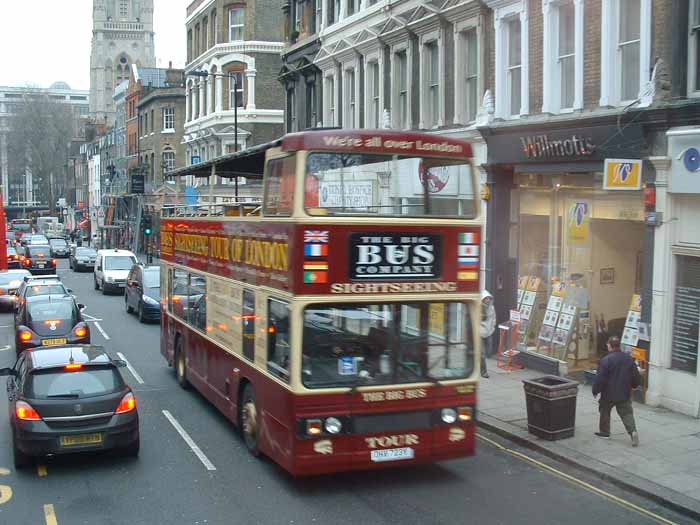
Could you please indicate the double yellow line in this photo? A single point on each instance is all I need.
(595, 490)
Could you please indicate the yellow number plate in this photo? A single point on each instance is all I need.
(81, 439)
(49, 342)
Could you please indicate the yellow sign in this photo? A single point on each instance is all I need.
(636, 303)
(622, 174)
(579, 217)
(437, 319)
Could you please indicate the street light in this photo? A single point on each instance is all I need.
(231, 78)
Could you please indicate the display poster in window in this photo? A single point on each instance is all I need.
(352, 194)
(529, 298)
(521, 293)
(560, 337)
(578, 217)
(436, 319)
(525, 311)
(566, 321)
(559, 289)
(551, 317)
(686, 315)
(224, 313)
(534, 283)
(554, 303)
(546, 333)
(397, 256)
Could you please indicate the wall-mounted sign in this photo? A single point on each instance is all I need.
(401, 256)
(622, 174)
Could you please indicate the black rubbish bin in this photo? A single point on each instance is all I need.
(551, 406)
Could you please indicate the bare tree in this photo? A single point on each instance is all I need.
(40, 132)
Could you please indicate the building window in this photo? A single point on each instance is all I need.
(401, 83)
(319, 15)
(432, 84)
(330, 101)
(566, 54)
(214, 28)
(298, 7)
(168, 119)
(694, 49)
(351, 103)
(353, 6)
(235, 90)
(205, 34)
(373, 91)
(168, 161)
(684, 347)
(628, 46)
(123, 8)
(236, 24)
(311, 111)
(470, 97)
(291, 111)
(513, 66)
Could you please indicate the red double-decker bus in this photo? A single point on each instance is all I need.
(335, 319)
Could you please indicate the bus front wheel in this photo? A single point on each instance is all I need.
(180, 366)
(249, 420)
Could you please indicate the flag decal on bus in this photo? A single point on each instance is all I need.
(316, 248)
(468, 256)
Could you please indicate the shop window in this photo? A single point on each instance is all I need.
(278, 338)
(694, 49)
(279, 186)
(248, 325)
(686, 315)
(579, 263)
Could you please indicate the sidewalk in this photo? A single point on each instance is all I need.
(665, 466)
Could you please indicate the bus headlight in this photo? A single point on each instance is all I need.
(333, 425)
(448, 415)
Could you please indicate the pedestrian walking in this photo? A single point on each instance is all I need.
(488, 326)
(617, 376)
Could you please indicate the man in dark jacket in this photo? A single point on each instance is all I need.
(617, 376)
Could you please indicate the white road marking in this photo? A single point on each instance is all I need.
(99, 327)
(5, 348)
(131, 368)
(190, 442)
(90, 318)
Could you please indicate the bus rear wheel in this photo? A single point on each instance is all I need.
(180, 366)
(249, 420)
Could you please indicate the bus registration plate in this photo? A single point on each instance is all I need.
(392, 454)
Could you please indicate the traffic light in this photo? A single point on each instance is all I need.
(147, 224)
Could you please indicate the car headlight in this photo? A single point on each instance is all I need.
(149, 300)
(448, 415)
(333, 425)
(109, 279)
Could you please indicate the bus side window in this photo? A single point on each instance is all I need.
(197, 302)
(248, 328)
(279, 186)
(278, 342)
(178, 293)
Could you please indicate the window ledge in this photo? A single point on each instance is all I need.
(168, 131)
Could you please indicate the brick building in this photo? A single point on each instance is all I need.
(238, 46)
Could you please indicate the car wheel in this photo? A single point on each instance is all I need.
(142, 319)
(104, 288)
(97, 286)
(21, 459)
(249, 422)
(181, 366)
(129, 309)
(132, 450)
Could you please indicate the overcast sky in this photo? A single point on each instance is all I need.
(50, 41)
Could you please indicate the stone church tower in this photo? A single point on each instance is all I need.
(122, 35)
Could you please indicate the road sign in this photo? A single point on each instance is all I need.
(196, 159)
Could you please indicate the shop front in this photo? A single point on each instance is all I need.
(566, 240)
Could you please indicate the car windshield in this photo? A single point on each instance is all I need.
(39, 251)
(347, 345)
(85, 252)
(388, 185)
(151, 278)
(21, 226)
(39, 239)
(119, 262)
(49, 310)
(90, 381)
(59, 243)
(45, 289)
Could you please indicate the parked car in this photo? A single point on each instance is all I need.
(48, 320)
(34, 285)
(10, 281)
(59, 247)
(112, 268)
(37, 259)
(82, 259)
(69, 399)
(12, 257)
(142, 293)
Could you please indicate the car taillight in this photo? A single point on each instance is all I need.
(27, 261)
(128, 403)
(54, 261)
(25, 335)
(80, 330)
(26, 412)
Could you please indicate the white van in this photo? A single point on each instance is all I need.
(112, 268)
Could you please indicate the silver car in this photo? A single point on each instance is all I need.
(10, 281)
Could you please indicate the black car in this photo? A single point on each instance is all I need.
(59, 248)
(69, 399)
(37, 259)
(50, 320)
(142, 292)
(82, 259)
(12, 257)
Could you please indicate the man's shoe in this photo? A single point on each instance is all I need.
(485, 374)
(602, 435)
(635, 439)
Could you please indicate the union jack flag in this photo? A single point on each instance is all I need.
(316, 236)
